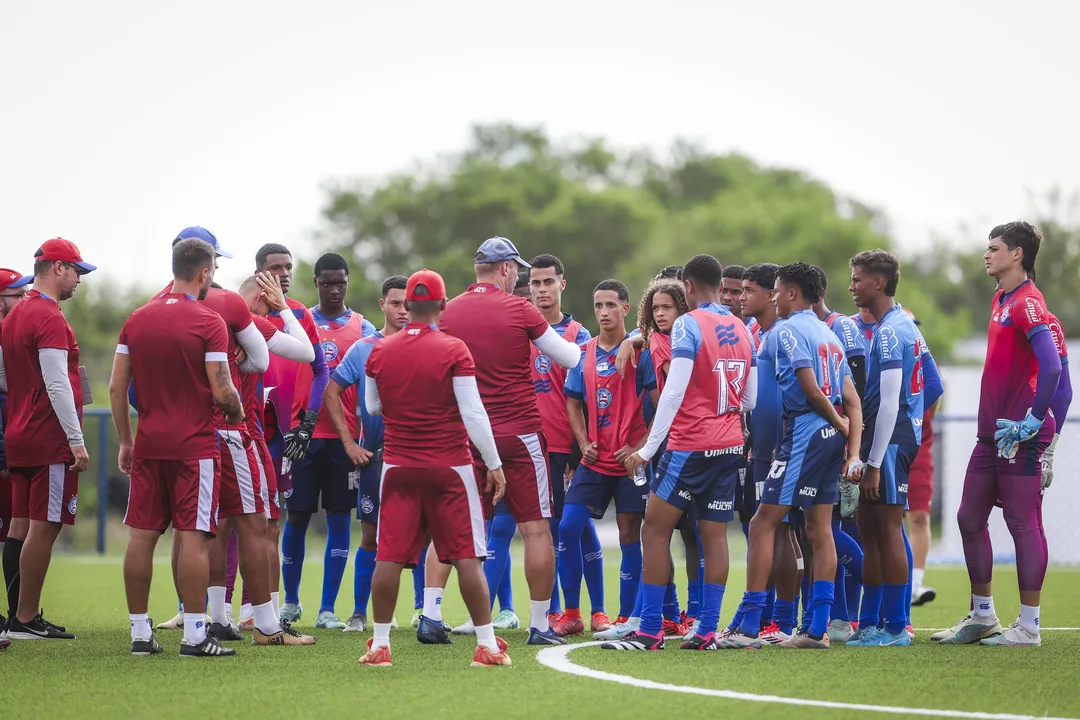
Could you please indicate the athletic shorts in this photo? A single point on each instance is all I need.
(47, 493)
(893, 488)
(443, 503)
(557, 463)
(985, 460)
(5, 506)
(921, 476)
(596, 490)
(183, 493)
(807, 469)
(751, 484)
(367, 500)
(702, 480)
(244, 489)
(325, 471)
(528, 487)
(266, 469)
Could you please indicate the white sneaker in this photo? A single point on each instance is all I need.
(394, 623)
(840, 631)
(773, 635)
(971, 629)
(691, 632)
(177, 623)
(467, 629)
(618, 631)
(231, 618)
(415, 622)
(1016, 636)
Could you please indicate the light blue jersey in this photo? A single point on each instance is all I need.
(350, 371)
(848, 333)
(766, 420)
(806, 342)
(895, 343)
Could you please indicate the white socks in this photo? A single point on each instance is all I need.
(247, 611)
(1029, 618)
(215, 604)
(432, 604)
(917, 577)
(140, 627)
(485, 636)
(983, 607)
(275, 598)
(538, 615)
(381, 633)
(194, 628)
(266, 618)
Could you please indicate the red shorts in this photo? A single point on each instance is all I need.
(442, 503)
(5, 506)
(243, 484)
(183, 493)
(47, 493)
(528, 487)
(921, 479)
(268, 476)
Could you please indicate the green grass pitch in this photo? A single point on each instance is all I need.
(95, 676)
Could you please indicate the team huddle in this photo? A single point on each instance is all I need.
(738, 395)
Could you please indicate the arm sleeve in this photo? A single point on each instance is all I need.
(857, 363)
(933, 388)
(290, 348)
(320, 374)
(372, 402)
(258, 355)
(749, 397)
(476, 419)
(670, 402)
(1049, 371)
(892, 382)
(1062, 398)
(57, 384)
(561, 352)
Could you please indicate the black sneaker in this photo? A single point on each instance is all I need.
(700, 643)
(209, 648)
(4, 640)
(636, 641)
(54, 626)
(223, 633)
(36, 629)
(146, 647)
(431, 632)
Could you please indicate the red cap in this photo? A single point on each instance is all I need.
(425, 285)
(10, 280)
(59, 249)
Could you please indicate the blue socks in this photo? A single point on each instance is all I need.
(892, 608)
(784, 615)
(593, 559)
(292, 558)
(910, 567)
(711, 600)
(500, 533)
(752, 604)
(571, 528)
(630, 579)
(506, 591)
(365, 568)
(556, 600)
(821, 606)
(671, 603)
(853, 581)
(418, 580)
(770, 603)
(652, 606)
(338, 526)
(639, 600)
(807, 598)
(693, 599)
(839, 606)
(870, 615)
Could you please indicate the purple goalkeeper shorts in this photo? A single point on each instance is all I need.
(986, 461)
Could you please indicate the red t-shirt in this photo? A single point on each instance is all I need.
(1011, 370)
(498, 329)
(283, 374)
(234, 310)
(33, 435)
(660, 350)
(251, 385)
(414, 371)
(169, 341)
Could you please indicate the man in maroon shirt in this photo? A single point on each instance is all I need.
(39, 368)
(499, 330)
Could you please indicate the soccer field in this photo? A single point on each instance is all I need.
(95, 676)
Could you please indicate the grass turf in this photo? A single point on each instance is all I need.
(95, 676)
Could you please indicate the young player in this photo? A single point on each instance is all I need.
(731, 290)
(350, 376)
(713, 368)
(893, 411)
(423, 382)
(39, 369)
(1020, 380)
(813, 378)
(615, 427)
(499, 330)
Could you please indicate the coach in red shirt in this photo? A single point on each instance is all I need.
(39, 369)
(499, 329)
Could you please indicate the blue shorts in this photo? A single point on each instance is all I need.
(367, 495)
(893, 487)
(596, 490)
(557, 463)
(807, 469)
(325, 471)
(704, 480)
(750, 487)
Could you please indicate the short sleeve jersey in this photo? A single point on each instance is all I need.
(414, 371)
(499, 328)
(169, 341)
(719, 345)
(33, 434)
(767, 422)
(848, 333)
(895, 344)
(1011, 371)
(804, 341)
(351, 373)
(282, 375)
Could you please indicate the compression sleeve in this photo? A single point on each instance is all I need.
(54, 363)
(749, 397)
(857, 363)
(668, 407)
(372, 402)
(258, 356)
(1062, 398)
(562, 352)
(295, 330)
(320, 377)
(296, 348)
(476, 419)
(892, 382)
(1049, 372)
(933, 388)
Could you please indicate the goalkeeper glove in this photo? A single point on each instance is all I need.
(1010, 434)
(1047, 462)
(297, 439)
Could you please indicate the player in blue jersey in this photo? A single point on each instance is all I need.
(731, 290)
(350, 374)
(813, 379)
(893, 411)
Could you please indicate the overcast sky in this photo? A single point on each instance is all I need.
(123, 121)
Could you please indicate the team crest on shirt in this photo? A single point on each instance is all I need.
(330, 349)
(288, 493)
(542, 364)
(366, 506)
(603, 398)
(73, 504)
(1004, 317)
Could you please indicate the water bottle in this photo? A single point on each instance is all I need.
(639, 477)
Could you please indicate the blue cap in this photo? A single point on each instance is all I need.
(498, 249)
(202, 233)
